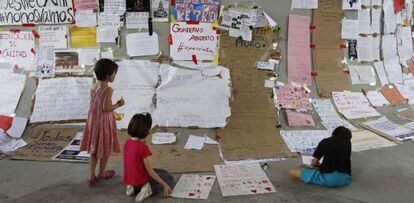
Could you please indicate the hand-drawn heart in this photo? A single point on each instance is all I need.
(254, 191)
(268, 189)
(191, 194)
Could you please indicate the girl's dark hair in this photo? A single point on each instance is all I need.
(342, 132)
(140, 125)
(104, 68)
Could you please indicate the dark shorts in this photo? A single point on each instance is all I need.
(334, 179)
(156, 187)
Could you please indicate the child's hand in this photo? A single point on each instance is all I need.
(167, 190)
(120, 102)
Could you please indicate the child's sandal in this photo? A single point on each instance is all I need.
(108, 174)
(92, 182)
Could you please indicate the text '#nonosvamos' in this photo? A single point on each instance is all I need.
(35, 11)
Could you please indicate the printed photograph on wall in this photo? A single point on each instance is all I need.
(67, 61)
(160, 10)
(138, 5)
(185, 10)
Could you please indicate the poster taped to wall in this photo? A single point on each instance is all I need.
(185, 10)
(192, 40)
(53, 35)
(160, 10)
(36, 12)
(17, 49)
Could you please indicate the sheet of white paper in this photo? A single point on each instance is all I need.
(362, 75)
(385, 126)
(109, 54)
(148, 45)
(346, 5)
(394, 71)
(364, 21)
(45, 62)
(195, 142)
(116, 7)
(11, 88)
(304, 4)
(377, 99)
(53, 35)
(353, 105)
(188, 98)
(18, 49)
(272, 23)
(349, 29)
(106, 34)
(61, 99)
(193, 186)
(251, 161)
(210, 141)
(382, 75)
(137, 20)
(304, 141)
(85, 18)
(405, 44)
(135, 83)
(163, 138)
(389, 47)
(307, 160)
(262, 65)
(365, 140)
(243, 179)
(365, 48)
(72, 151)
(88, 57)
(390, 20)
(8, 144)
(376, 20)
(407, 90)
(366, 3)
(328, 115)
(109, 21)
(18, 127)
(409, 125)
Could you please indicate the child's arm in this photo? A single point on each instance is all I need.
(107, 104)
(151, 172)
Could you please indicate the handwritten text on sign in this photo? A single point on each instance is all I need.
(188, 40)
(17, 48)
(17, 12)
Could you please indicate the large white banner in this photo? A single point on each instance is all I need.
(35, 11)
(61, 99)
(192, 40)
(17, 49)
(11, 88)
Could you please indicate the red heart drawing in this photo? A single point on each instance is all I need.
(268, 189)
(265, 181)
(191, 194)
(254, 191)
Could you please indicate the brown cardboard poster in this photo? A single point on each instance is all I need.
(44, 144)
(393, 95)
(251, 131)
(327, 54)
(174, 158)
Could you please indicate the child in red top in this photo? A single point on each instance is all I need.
(139, 176)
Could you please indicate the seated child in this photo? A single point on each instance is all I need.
(335, 169)
(139, 176)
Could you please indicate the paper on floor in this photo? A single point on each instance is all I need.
(17, 128)
(163, 138)
(193, 186)
(195, 142)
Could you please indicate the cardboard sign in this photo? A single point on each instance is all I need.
(18, 49)
(185, 10)
(44, 144)
(37, 12)
(188, 40)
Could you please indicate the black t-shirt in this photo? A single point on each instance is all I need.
(336, 153)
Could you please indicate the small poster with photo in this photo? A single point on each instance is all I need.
(160, 10)
(67, 61)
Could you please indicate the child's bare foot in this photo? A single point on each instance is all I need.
(92, 182)
(107, 175)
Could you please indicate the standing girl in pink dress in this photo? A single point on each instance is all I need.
(100, 137)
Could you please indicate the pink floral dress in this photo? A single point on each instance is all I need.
(100, 137)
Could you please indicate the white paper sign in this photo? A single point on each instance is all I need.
(243, 179)
(116, 7)
(304, 4)
(377, 99)
(188, 40)
(72, 151)
(45, 62)
(36, 12)
(362, 75)
(11, 88)
(387, 128)
(349, 29)
(188, 98)
(365, 140)
(193, 186)
(353, 105)
(54, 35)
(88, 57)
(17, 48)
(85, 18)
(328, 115)
(195, 142)
(163, 138)
(148, 45)
(61, 99)
(304, 141)
(135, 83)
(8, 144)
(18, 127)
(137, 20)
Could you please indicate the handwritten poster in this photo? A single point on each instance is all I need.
(137, 20)
(188, 40)
(188, 98)
(243, 179)
(18, 49)
(297, 119)
(85, 5)
(290, 96)
(353, 105)
(386, 128)
(45, 62)
(72, 151)
(83, 37)
(365, 140)
(61, 99)
(328, 115)
(298, 51)
(160, 10)
(37, 12)
(136, 82)
(53, 35)
(304, 141)
(193, 186)
(116, 7)
(393, 95)
(193, 10)
(11, 88)
(148, 45)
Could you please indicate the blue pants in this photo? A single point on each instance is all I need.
(334, 179)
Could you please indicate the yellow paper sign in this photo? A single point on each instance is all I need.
(83, 37)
